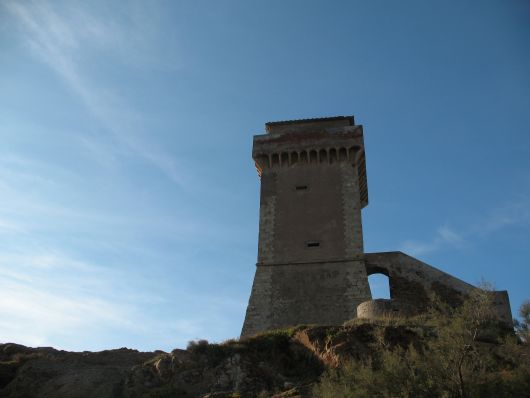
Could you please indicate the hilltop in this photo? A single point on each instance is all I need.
(383, 357)
(282, 363)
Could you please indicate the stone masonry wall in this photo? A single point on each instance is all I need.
(318, 204)
(298, 284)
(310, 266)
(351, 210)
(324, 293)
(267, 216)
(413, 281)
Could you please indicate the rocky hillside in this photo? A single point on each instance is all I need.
(277, 364)
(451, 356)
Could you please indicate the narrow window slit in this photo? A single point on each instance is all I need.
(301, 188)
(313, 244)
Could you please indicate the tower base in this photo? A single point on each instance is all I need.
(324, 293)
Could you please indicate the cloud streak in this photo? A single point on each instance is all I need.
(74, 274)
(56, 294)
(62, 42)
(511, 214)
(444, 237)
(51, 298)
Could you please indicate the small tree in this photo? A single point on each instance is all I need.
(457, 355)
(522, 327)
(465, 352)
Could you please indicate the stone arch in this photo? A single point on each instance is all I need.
(323, 155)
(352, 151)
(284, 159)
(275, 161)
(294, 157)
(332, 155)
(304, 157)
(379, 285)
(313, 156)
(376, 269)
(343, 154)
(379, 280)
(410, 280)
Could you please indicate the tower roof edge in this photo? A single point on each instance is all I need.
(288, 125)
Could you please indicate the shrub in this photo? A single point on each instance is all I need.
(469, 354)
(196, 346)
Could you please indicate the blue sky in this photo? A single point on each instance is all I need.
(128, 196)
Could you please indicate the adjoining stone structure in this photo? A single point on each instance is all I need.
(412, 282)
(311, 266)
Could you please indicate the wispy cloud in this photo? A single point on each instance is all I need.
(73, 275)
(52, 298)
(62, 40)
(53, 295)
(444, 237)
(512, 213)
(41, 202)
(8, 226)
(89, 257)
(56, 294)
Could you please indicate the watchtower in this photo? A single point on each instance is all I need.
(310, 265)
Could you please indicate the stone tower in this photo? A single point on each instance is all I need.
(310, 267)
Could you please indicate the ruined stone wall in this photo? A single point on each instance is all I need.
(412, 282)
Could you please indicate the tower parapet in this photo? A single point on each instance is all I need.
(312, 141)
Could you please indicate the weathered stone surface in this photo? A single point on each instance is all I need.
(45, 372)
(412, 283)
(311, 267)
(278, 365)
(378, 308)
(313, 293)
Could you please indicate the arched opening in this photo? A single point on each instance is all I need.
(351, 152)
(275, 160)
(294, 157)
(313, 157)
(332, 155)
(303, 157)
(343, 155)
(285, 159)
(379, 286)
(323, 156)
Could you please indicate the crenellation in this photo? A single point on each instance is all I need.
(316, 155)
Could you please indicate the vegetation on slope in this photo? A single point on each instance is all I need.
(462, 353)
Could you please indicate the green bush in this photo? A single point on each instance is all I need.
(467, 353)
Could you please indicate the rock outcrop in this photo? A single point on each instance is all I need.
(280, 364)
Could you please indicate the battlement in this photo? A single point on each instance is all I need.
(322, 141)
